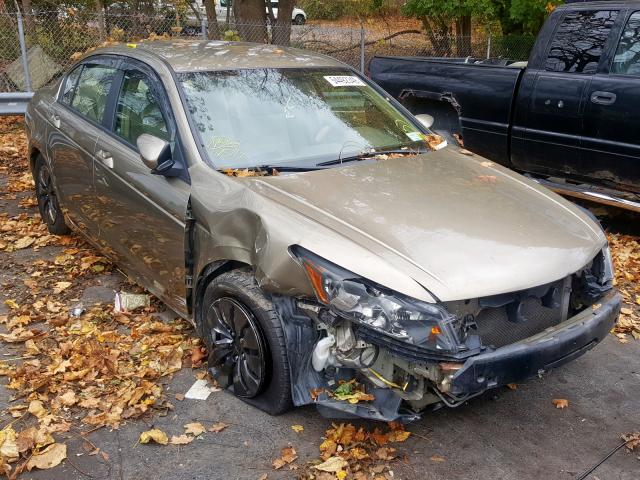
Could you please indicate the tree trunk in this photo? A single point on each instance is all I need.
(213, 32)
(463, 36)
(281, 33)
(251, 16)
(102, 31)
(28, 18)
(437, 30)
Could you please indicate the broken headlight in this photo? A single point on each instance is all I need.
(361, 301)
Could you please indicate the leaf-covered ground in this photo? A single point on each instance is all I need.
(70, 373)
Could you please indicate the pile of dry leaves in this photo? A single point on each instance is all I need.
(350, 452)
(69, 369)
(625, 251)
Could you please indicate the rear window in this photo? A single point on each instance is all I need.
(579, 41)
(90, 98)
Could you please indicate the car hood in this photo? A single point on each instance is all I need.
(459, 225)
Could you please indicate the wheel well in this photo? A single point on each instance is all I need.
(444, 113)
(33, 154)
(208, 273)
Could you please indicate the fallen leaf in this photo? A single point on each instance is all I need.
(332, 465)
(23, 242)
(181, 440)
(48, 458)
(218, 427)
(386, 453)
(297, 428)
(68, 398)
(195, 428)
(154, 434)
(37, 409)
(560, 402)
(512, 386)
(61, 286)
(287, 455)
(437, 458)
(8, 445)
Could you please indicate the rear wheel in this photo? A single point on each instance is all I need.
(48, 205)
(299, 19)
(245, 341)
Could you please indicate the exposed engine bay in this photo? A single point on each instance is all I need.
(404, 362)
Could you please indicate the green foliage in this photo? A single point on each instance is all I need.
(323, 9)
(449, 9)
(231, 36)
(531, 14)
(514, 46)
(334, 9)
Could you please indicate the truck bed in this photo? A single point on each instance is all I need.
(482, 94)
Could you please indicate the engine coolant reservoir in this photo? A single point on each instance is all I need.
(321, 356)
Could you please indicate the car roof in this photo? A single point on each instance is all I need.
(206, 55)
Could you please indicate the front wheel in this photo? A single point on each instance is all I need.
(245, 341)
(48, 205)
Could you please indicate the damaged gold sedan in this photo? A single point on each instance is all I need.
(324, 244)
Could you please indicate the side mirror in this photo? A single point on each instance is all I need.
(425, 119)
(155, 153)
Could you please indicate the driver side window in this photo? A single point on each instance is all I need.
(138, 110)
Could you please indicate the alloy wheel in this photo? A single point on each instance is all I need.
(236, 347)
(47, 196)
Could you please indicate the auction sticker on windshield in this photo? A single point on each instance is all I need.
(344, 81)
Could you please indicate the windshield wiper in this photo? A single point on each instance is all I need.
(268, 169)
(367, 154)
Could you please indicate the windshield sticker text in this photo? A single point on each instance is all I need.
(344, 81)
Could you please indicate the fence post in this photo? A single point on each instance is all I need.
(23, 51)
(489, 46)
(362, 48)
(203, 27)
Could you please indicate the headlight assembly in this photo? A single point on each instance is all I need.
(361, 301)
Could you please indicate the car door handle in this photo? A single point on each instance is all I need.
(105, 157)
(603, 98)
(55, 119)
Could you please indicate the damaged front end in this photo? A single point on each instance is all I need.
(407, 355)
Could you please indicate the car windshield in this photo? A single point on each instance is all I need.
(248, 118)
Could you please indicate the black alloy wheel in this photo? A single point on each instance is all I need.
(48, 205)
(237, 353)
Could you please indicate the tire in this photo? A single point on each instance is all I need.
(245, 341)
(299, 19)
(48, 205)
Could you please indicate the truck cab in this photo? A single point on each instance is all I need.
(569, 116)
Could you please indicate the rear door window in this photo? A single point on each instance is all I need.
(579, 41)
(70, 84)
(138, 110)
(90, 98)
(627, 58)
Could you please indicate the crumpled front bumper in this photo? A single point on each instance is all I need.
(548, 349)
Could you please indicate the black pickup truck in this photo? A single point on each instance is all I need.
(570, 116)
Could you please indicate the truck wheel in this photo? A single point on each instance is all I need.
(48, 205)
(299, 19)
(245, 341)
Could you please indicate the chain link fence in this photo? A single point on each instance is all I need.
(54, 40)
